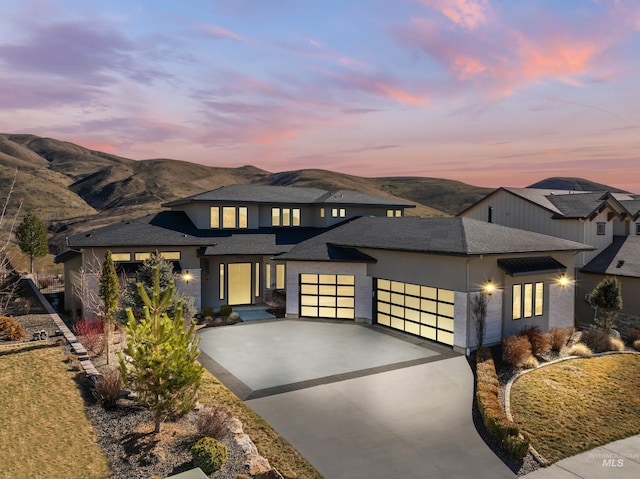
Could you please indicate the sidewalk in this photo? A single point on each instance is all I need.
(618, 460)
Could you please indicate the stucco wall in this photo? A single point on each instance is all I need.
(363, 290)
(561, 305)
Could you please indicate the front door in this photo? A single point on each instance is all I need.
(239, 283)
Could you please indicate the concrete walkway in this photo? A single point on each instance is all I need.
(616, 460)
(355, 401)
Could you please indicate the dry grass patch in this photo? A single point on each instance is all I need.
(44, 431)
(279, 452)
(575, 405)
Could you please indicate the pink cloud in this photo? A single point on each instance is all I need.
(467, 13)
(217, 32)
(381, 86)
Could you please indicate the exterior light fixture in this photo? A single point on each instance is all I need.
(187, 276)
(489, 288)
(563, 281)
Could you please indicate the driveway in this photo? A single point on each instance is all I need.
(357, 402)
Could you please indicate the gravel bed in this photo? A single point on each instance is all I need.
(125, 435)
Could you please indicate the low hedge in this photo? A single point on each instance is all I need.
(493, 415)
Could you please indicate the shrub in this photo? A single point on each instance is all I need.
(209, 454)
(530, 363)
(517, 446)
(213, 422)
(207, 312)
(580, 349)
(558, 337)
(616, 344)
(225, 310)
(636, 345)
(633, 335)
(10, 329)
(516, 349)
(539, 341)
(596, 339)
(107, 389)
(92, 332)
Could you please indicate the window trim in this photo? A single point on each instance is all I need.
(601, 228)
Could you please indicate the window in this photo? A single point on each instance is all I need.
(392, 213)
(285, 216)
(267, 276)
(215, 217)
(638, 228)
(334, 212)
(490, 214)
(170, 255)
(257, 279)
(389, 213)
(141, 256)
(228, 217)
(242, 217)
(528, 300)
(601, 228)
(221, 280)
(321, 212)
(121, 256)
(280, 276)
(343, 212)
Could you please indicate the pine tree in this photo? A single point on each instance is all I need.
(607, 298)
(32, 238)
(161, 356)
(110, 295)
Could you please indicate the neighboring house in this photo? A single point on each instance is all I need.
(346, 256)
(604, 220)
(224, 239)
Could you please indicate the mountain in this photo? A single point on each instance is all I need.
(575, 184)
(75, 189)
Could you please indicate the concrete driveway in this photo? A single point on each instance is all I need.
(355, 401)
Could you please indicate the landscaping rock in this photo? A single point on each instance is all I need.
(271, 474)
(234, 316)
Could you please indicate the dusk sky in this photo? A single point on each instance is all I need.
(483, 91)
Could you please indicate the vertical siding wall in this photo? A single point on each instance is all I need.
(364, 285)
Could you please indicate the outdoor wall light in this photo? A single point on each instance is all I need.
(563, 281)
(187, 276)
(489, 288)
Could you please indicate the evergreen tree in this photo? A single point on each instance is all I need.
(32, 238)
(607, 298)
(110, 295)
(131, 298)
(161, 356)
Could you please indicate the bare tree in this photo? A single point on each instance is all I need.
(8, 275)
(479, 304)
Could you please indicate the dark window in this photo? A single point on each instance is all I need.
(490, 214)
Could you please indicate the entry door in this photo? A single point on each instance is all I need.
(239, 283)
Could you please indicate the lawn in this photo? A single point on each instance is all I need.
(573, 406)
(44, 432)
(279, 452)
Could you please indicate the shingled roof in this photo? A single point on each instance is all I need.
(292, 195)
(620, 258)
(454, 236)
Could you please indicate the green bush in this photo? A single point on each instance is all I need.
(493, 416)
(225, 310)
(207, 312)
(209, 454)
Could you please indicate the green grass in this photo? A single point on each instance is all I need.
(573, 406)
(44, 431)
(279, 452)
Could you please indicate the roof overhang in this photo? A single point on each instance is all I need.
(531, 265)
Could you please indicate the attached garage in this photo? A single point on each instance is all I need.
(416, 309)
(329, 296)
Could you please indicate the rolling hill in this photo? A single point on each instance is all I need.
(75, 189)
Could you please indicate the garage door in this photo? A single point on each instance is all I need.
(421, 310)
(327, 296)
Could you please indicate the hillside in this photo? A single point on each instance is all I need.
(575, 184)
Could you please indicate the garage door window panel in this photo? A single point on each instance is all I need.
(327, 296)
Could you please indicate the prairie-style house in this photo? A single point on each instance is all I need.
(608, 221)
(348, 256)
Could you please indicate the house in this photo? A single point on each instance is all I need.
(224, 239)
(343, 255)
(608, 221)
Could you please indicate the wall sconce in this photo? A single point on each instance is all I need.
(489, 288)
(563, 281)
(187, 276)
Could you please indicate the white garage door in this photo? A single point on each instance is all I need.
(421, 310)
(327, 296)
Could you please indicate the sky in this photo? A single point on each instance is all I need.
(492, 93)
